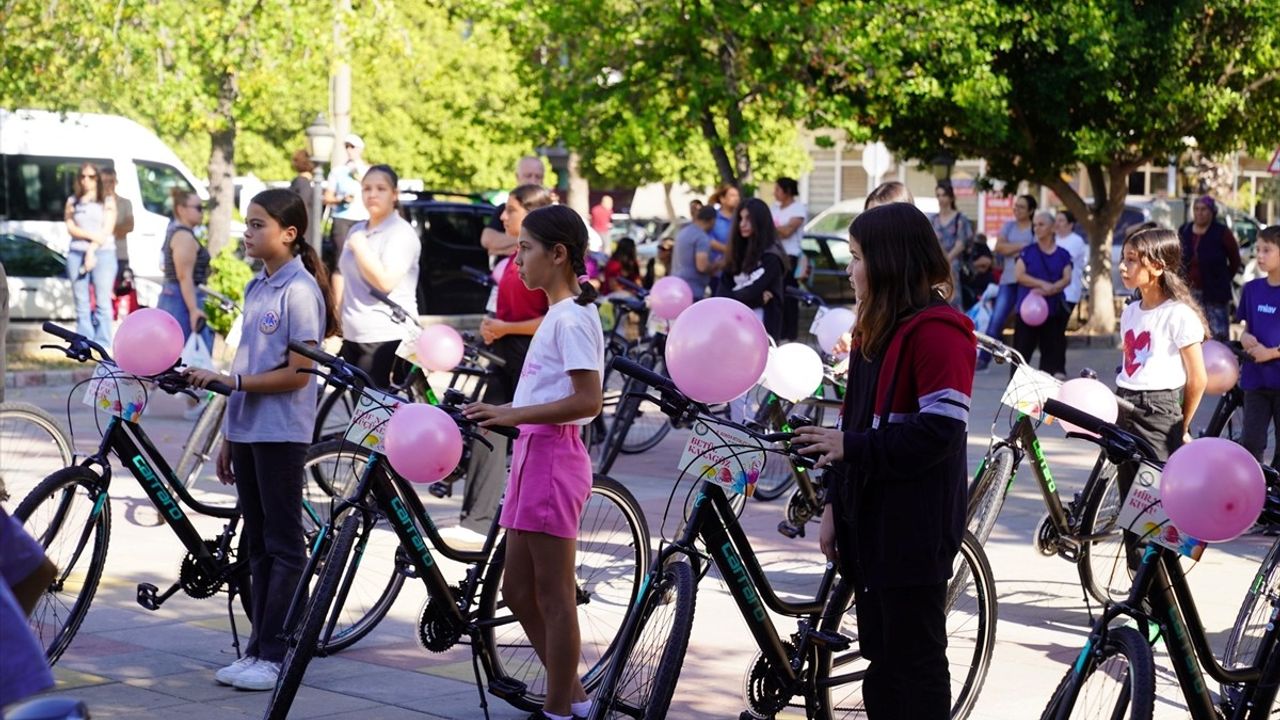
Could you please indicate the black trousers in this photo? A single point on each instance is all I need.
(269, 483)
(1261, 414)
(1158, 420)
(1050, 338)
(378, 359)
(487, 471)
(903, 633)
(791, 306)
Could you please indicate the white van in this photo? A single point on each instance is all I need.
(40, 155)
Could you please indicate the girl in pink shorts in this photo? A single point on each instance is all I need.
(558, 393)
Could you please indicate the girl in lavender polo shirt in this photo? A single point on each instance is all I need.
(269, 419)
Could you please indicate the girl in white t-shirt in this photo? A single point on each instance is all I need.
(559, 392)
(1162, 372)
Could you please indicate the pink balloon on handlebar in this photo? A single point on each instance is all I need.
(669, 297)
(717, 350)
(148, 342)
(1088, 396)
(1034, 310)
(1222, 367)
(439, 348)
(1212, 489)
(423, 443)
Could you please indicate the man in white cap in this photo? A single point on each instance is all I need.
(342, 192)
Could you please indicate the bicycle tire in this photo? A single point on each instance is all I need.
(618, 428)
(649, 425)
(377, 547)
(972, 613)
(1105, 572)
(649, 670)
(1137, 695)
(778, 475)
(1227, 419)
(303, 644)
(33, 446)
(200, 446)
(61, 489)
(610, 593)
(333, 416)
(1254, 614)
(987, 493)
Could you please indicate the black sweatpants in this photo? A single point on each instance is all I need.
(791, 306)
(378, 359)
(1157, 419)
(1050, 338)
(1261, 415)
(903, 633)
(269, 483)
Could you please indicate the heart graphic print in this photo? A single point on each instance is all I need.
(1137, 348)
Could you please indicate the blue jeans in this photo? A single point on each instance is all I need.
(171, 302)
(1005, 301)
(94, 324)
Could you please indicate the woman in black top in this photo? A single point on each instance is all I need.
(756, 265)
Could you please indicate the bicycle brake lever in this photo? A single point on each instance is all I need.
(473, 435)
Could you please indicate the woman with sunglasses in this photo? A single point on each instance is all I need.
(186, 267)
(91, 218)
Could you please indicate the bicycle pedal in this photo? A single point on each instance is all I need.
(789, 530)
(148, 596)
(440, 490)
(507, 688)
(835, 642)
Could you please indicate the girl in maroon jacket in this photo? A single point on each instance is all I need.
(896, 497)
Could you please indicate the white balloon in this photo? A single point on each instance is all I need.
(835, 323)
(794, 371)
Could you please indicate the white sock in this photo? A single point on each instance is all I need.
(581, 709)
(553, 716)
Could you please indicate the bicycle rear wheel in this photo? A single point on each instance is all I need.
(971, 634)
(648, 423)
(646, 674)
(33, 446)
(333, 416)
(1105, 569)
(612, 555)
(69, 514)
(1118, 682)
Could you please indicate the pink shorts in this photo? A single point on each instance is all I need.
(550, 481)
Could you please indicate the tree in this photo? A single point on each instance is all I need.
(1041, 89)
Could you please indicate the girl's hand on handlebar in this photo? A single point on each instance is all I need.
(201, 378)
(826, 442)
(484, 414)
(225, 474)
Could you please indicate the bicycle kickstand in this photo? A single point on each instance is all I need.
(475, 665)
(231, 614)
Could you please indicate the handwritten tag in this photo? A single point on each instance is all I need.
(115, 392)
(369, 420)
(1143, 514)
(408, 348)
(723, 456)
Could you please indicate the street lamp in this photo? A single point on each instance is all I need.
(942, 164)
(320, 148)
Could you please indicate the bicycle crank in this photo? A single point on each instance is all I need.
(1048, 542)
(763, 689)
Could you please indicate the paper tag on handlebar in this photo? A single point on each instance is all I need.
(1143, 514)
(122, 395)
(1028, 391)
(233, 335)
(408, 348)
(818, 312)
(369, 420)
(723, 456)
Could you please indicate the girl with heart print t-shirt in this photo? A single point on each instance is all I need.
(1162, 371)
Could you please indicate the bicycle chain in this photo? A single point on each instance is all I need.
(194, 582)
(764, 692)
(437, 631)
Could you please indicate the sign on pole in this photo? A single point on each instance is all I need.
(876, 159)
(1274, 167)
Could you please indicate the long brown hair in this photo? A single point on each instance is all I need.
(1161, 248)
(287, 208)
(904, 264)
(744, 254)
(80, 188)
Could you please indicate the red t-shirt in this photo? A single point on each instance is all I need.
(515, 301)
(601, 219)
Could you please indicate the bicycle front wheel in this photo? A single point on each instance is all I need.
(1117, 682)
(333, 417)
(971, 634)
(33, 446)
(199, 448)
(612, 555)
(1254, 615)
(69, 514)
(646, 673)
(986, 495)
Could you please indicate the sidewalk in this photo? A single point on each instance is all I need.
(128, 662)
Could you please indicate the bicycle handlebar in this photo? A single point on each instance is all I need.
(807, 298)
(639, 291)
(81, 349)
(226, 303)
(1118, 442)
(478, 276)
(634, 369)
(469, 339)
(398, 314)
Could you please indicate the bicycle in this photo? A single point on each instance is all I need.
(637, 426)
(1081, 531)
(1160, 596)
(613, 549)
(32, 445)
(642, 674)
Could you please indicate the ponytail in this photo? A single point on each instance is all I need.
(287, 208)
(311, 261)
(559, 225)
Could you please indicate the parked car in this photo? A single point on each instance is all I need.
(37, 279)
(828, 256)
(835, 219)
(450, 231)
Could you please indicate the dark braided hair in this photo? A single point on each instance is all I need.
(560, 225)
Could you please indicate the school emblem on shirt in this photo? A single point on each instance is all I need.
(269, 323)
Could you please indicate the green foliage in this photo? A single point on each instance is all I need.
(228, 275)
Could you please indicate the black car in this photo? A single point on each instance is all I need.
(450, 230)
(828, 257)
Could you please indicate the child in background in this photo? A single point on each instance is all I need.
(1260, 379)
(267, 428)
(559, 392)
(1163, 371)
(622, 264)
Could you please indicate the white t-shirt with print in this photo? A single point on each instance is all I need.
(1079, 249)
(569, 338)
(784, 215)
(1153, 341)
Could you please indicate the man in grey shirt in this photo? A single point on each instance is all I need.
(691, 257)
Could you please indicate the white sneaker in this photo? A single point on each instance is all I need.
(462, 538)
(262, 675)
(228, 674)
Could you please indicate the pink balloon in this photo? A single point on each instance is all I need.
(148, 342)
(1212, 489)
(1034, 309)
(1088, 396)
(499, 269)
(423, 443)
(1222, 366)
(717, 350)
(440, 348)
(669, 297)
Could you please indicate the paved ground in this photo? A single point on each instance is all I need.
(128, 662)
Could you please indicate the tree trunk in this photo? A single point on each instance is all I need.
(222, 165)
(723, 165)
(579, 189)
(666, 198)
